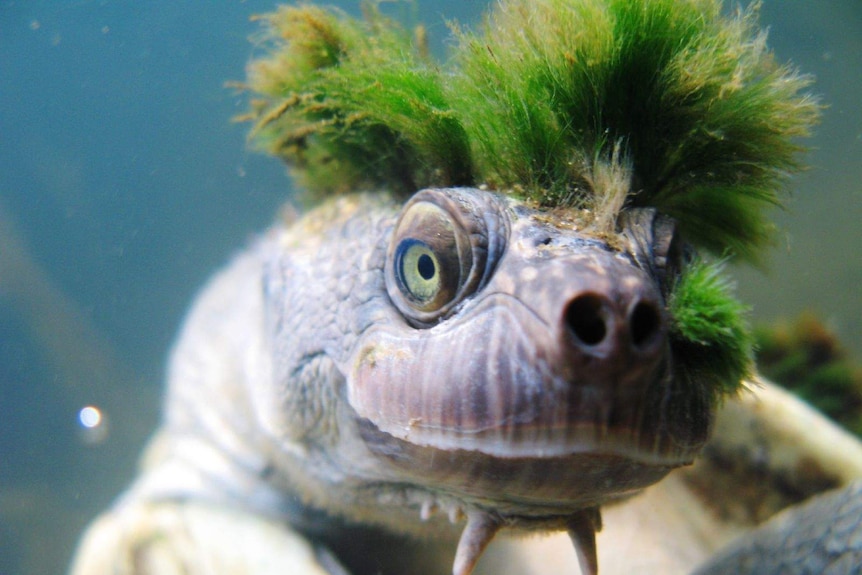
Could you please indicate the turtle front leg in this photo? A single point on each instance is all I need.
(192, 538)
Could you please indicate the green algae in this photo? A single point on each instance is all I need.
(685, 105)
(354, 104)
(710, 334)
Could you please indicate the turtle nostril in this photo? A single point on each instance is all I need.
(585, 317)
(644, 323)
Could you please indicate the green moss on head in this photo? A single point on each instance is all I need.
(705, 116)
(710, 335)
(600, 104)
(352, 104)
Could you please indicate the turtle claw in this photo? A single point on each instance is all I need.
(480, 530)
(582, 531)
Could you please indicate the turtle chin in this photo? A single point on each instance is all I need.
(559, 488)
(535, 471)
(529, 487)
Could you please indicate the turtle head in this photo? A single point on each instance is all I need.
(522, 336)
(526, 371)
(545, 336)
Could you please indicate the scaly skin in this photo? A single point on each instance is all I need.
(304, 388)
(823, 535)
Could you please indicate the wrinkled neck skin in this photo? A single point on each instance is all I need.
(538, 389)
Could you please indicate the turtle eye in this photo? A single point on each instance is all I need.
(432, 257)
(438, 253)
(669, 252)
(655, 244)
(419, 275)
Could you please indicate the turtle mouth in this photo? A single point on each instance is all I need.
(524, 485)
(504, 387)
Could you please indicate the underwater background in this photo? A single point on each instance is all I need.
(124, 185)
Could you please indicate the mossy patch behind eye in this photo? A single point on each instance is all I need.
(710, 336)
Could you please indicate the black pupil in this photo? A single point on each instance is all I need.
(425, 267)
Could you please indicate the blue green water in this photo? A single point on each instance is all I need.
(123, 185)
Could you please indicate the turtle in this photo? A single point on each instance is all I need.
(504, 309)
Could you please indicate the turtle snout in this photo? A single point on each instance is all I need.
(595, 325)
(618, 334)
